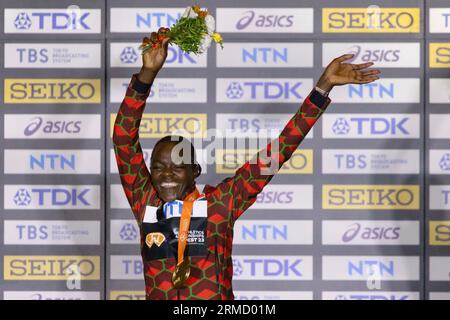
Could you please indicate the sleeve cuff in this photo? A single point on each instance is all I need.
(140, 86)
(319, 100)
(137, 89)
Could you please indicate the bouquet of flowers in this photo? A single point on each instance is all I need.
(193, 33)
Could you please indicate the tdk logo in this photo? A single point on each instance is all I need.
(22, 198)
(341, 126)
(23, 21)
(128, 55)
(27, 197)
(128, 232)
(57, 197)
(153, 20)
(235, 91)
(175, 56)
(444, 163)
(371, 126)
(63, 20)
(376, 126)
(237, 268)
(267, 90)
(56, 20)
(268, 267)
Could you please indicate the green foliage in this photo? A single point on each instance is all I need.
(187, 33)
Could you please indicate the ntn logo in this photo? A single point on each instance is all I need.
(155, 20)
(371, 90)
(265, 232)
(265, 55)
(371, 267)
(52, 161)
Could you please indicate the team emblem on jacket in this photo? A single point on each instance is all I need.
(154, 238)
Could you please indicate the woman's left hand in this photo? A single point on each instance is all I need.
(338, 73)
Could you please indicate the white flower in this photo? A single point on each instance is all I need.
(189, 13)
(205, 43)
(210, 24)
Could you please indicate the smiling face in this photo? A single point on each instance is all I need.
(172, 180)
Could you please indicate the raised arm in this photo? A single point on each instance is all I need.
(133, 171)
(250, 179)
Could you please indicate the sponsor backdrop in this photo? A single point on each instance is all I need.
(361, 211)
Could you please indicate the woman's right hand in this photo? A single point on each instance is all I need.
(153, 59)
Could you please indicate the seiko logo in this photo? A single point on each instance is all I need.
(51, 90)
(390, 20)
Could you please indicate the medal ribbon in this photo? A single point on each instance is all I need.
(185, 221)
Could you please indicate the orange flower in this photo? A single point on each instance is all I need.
(201, 13)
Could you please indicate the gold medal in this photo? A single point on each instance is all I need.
(181, 274)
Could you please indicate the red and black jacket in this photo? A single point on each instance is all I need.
(211, 262)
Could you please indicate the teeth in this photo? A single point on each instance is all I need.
(168, 184)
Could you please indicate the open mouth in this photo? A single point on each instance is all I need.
(168, 184)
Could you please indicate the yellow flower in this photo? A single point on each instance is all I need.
(217, 37)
